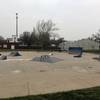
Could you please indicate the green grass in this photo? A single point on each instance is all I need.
(84, 94)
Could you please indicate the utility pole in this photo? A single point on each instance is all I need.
(17, 25)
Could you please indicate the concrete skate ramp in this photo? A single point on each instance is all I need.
(97, 58)
(3, 57)
(14, 53)
(47, 59)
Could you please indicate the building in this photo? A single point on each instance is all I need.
(9, 43)
(86, 44)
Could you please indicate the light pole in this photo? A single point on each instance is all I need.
(17, 25)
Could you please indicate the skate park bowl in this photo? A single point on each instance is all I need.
(3, 57)
(14, 53)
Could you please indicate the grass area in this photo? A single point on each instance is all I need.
(89, 51)
(84, 94)
(38, 50)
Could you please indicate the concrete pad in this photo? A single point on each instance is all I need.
(69, 74)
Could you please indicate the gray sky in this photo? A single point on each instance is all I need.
(76, 19)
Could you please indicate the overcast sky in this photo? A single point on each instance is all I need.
(76, 19)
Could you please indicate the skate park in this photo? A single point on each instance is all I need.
(60, 71)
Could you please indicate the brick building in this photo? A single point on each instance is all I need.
(8, 45)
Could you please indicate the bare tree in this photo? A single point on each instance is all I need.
(25, 38)
(45, 30)
(43, 35)
(34, 37)
(96, 37)
(46, 26)
(1, 39)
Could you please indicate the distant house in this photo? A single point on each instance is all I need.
(9, 43)
(12, 39)
(86, 44)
